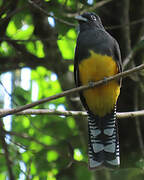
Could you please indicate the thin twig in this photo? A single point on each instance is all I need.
(12, 14)
(74, 90)
(125, 30)
(89, 9)
(19, 145)
(96, 5)
(48, 14)
(99, 4)
(29, 138)
(127, 24)
(128, 58)
(10, 95)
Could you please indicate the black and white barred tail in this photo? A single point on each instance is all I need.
(103, 141)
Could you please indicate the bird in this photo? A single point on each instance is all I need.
(98, 56)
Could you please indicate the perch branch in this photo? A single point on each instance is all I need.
(74, 90)
(120, 115)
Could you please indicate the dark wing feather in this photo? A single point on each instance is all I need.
(76, 77)
(117, 57)
(76, 70)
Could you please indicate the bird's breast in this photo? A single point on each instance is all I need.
(100, 100)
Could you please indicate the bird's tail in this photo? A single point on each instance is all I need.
(103, 141)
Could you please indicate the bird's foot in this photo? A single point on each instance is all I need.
(91, 84)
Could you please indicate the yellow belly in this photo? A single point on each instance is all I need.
(100, 100)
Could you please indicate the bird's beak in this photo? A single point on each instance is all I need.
(80, 18)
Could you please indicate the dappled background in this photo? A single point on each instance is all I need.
(37, 42)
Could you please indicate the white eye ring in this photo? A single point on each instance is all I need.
(93, 17)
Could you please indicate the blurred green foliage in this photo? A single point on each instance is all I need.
(67, 44)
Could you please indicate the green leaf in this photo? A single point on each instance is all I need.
(20, 34)
(31, 131)
(6, 49)
(66, 44)
(47, 140)
(30, 46)
(35, 178)
(78, 155)
(25, 156)
(20, 27)
(69, 3)
(47, 87)
(71, 122)
(52, 156)
(3, 176)
(71, 68)
(11, 29)
(35, 146)
(36, 48)
(40, 51)
(33, 169)
(22, 96)
(51, 174)
(26, 123)
(24, 34)
(4, 15)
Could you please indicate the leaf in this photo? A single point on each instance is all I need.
(66, 44)
(22, 96)
(52, 156)
(71, 122)
(36, 48)
(33, 169)
(25, 156)
(78, 155)
(20, 27)
(6, 49)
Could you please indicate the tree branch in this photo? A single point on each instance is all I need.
(74, 90)
(97, 5)
(48, 14)
(120, 115)
(128, 58)
(47, 112)
(125, 30)
(91, 8)
(139, 46)
(138, 21)
(68, 92)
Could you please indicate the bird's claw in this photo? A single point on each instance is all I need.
(91, 84)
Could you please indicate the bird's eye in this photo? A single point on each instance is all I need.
(93, 18)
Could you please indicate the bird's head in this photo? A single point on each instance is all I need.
(88, 20)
